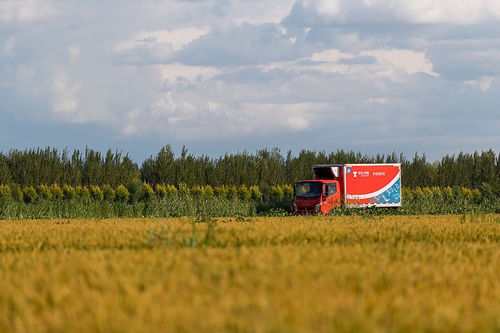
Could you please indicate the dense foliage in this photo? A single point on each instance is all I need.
(265, 168)
(143, 200)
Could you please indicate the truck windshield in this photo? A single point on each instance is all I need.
(308, 190)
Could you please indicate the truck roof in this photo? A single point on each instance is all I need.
(351, 164)
(317, 181)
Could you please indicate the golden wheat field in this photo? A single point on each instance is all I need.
(295, 274)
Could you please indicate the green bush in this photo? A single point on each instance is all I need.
(221, 191)
(5, 193)
(197, 191)
(244, 193)
(287, 192)
(161, 191)
(407, 195)
(68, 192)
(418, 194)
(467, 194)
(57, 192)
(44, 192)
(476, 196)
(184, 191)
(108, 193)
(172, 191)
(96, 193)
(232, 192)
(122, 194)
(437, 193)
(29, 194)
(82, 192)
(17, 192)
(256, 193)
(209, 191)
(448, 194)
(147, 192)
(277, 193)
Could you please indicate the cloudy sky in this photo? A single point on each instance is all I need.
(229, 75)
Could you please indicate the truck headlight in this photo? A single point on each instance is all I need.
(317, 209)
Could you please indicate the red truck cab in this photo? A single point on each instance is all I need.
(316, 196)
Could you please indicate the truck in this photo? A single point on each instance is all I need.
(348, 185)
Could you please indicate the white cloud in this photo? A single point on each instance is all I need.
(314, 12)
(25, 10)
(298, 123)
(484, 83)
(176, 38)
(175, 72)
(406, 60)
(391, 63)
(447, 11)
(65, 96)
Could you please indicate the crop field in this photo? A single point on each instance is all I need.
(291, 274)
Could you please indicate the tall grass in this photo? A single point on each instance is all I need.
(142, 200)
(86, 208)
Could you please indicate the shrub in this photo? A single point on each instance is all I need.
(96, 193)
(68, 192)
(418, 194)
(437, 194)
(209, 191)
(5, 193)
(161, 191)
(82, 192)
(244, 193)
(427, 193)
(17, 192)
(476, 196)
(57, 192)
(44, 192)
(467, 194)
(29, 194)
(147, 192)
(172, 191)
(255, 192)
(458, 194)
(232, 192)
(184, 190)
(221, 191)
(108, 193)
(197, 191)
(277, 193)
(287, 192)
(407, 194)
(122, 194)
(448, 194)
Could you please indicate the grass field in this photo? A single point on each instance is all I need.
(295, 274)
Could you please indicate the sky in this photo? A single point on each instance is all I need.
(220, 76)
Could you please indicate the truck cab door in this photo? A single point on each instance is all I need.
(331, 197)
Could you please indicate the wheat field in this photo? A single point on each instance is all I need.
(293, 274)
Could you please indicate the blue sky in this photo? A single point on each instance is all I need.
(217, 76)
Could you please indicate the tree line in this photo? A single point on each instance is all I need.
(265, 167)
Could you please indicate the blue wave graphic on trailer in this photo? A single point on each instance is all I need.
(391, 196)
